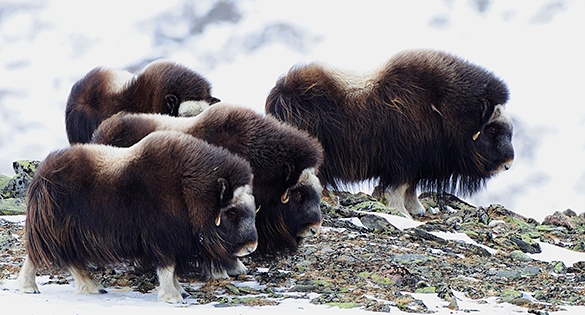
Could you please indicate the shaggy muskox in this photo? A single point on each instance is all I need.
(171, 201)
(163, 87)
(426, 119)
(284, 161)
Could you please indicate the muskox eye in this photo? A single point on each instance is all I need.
(232, 211)
(298, 196)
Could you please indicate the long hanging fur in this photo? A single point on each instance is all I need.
(284, 161)
(426, 119)
(152, 205)
(162, 87)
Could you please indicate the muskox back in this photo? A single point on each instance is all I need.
(284, 161)
(169, 201)
(426, 118)
(162, 87)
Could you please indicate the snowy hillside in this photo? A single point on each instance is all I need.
(243, 46)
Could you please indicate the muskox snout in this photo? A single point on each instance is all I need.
(246, 249)
(504, 166)
(310, 230)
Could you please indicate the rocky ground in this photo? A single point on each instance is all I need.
(361, 260)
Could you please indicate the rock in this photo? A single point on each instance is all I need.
(559, 219)
(559, 267)
(526, 244)
(444, 292)
(520, 255)
(17, 186)
(25, 167)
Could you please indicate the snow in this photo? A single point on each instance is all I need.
(535, 46)
(58, 299)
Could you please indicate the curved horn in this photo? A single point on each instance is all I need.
(285, 197)
(218, 220)
(476, 135)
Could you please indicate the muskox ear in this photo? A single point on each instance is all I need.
(497, 113)
(213, 100)
(172, 103)
(224, 191)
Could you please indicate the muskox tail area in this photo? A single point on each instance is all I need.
(89, 102)
(40, 216)
(300, 92)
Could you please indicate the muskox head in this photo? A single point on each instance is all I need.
(493, 142)
(293, 214)
(184, 91)
(236, 219)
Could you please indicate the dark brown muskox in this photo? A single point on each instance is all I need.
(171, 201)
(425, 119)
(163, 87)
(283, 159)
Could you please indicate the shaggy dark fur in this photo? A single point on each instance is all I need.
(284, 161)
(169, 201)
(162, 87)
(426, 118)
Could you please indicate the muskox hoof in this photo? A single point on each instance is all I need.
(172, 298)
(185, 295)
(102, 291)
(31, 290)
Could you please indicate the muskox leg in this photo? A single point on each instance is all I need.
(85, 284)
(168, 288)
(412, 203)
(394, 198)
(26, 277)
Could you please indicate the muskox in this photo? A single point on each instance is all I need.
(162, 87)
(170, 202)
(426, 119)
(284, 161)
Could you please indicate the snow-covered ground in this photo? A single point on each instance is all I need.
(61, 299)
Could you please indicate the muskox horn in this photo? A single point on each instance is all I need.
(476, 135)
(218, 220)
(260, 206)
(285, 197)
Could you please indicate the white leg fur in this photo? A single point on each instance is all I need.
(85, 284)
(179, 287)
(167, 289)
(27, 277)
(412, 203)
(395, 199)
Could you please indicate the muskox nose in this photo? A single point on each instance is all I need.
(503, 167)
(310, 230)
(507, 165)
(246, 249)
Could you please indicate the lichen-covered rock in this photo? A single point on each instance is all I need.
(559, 219)
(27, 167)
(17, 186)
